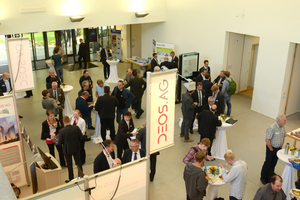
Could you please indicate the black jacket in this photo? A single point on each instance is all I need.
(137, 87)
(46, 131)
(82, 50)
(3, 86)
(153, 64)
(207, 124)
(69, 137)
(83, 107)
(124, 132)
(219, 101)
(128, 154)
(103, 55)
(217, 80)
(174, 61)
(167, 64)
(49, 83)
(207, 87)
(100, 163)
(106, 106)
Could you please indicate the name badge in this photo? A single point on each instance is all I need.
(276, 133)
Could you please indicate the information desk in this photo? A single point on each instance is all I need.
(48, 178)
(139, 64)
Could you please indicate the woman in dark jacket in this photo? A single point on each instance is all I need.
(50, 130)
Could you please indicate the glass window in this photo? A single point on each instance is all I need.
(30, 44)
(39, 46)
(51, 42)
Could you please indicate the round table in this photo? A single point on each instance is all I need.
(68, 111)
(97, 126)
(219, 147)
(113, 75)
(288, 173)
(49, 64)
(213, 183)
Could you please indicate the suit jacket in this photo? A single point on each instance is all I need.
(3, 86)
(199, 78)
(106, 106)
(217, 80)
(60, 96)
(207, 87)
(207, 71)
(187, 106)
(90, 98)
(207, 124)
(89, 79)
(128, 155)
(46, 131)
(196, 99)
(49, 83)
(103, 55)
(174, 61)
(127, 95)
(137, 87)
(50, 104)
(127, 78)
(124, 132)
(142, 138)
(82, 50)
(219, 101)
(168, 64)
(83, 107)
(153, 64)
(69, 137)
(100, 163)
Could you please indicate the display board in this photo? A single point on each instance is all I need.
(162, 49)
(11, 156)
(161, 109)
(116, 44)
(20, 63)
(188, 63)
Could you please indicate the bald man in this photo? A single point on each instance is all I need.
(5, 84)
(166, 63)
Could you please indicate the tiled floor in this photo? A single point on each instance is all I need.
(245, 138)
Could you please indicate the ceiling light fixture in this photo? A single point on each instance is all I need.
(76, 19)
(141, 14)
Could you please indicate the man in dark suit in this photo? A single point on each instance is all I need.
(69, 137)
(106, 107)
(83, 107)
(89, 100)
(187, 108)
(106, 159)
(198, 97)
(5, 84)
(154, 62)
(125, 128)
(219, 80)
(52, 78)
(82, 53)
(137, 87)
(201, 76)
(207, 86)
(205, 66)
(211, 101)
(166, 63)
(207, 124)
(153, 157)
(58, 95)
(174, 60)
(219, 99)
(86, 77)
(105, 54)
(134, 153)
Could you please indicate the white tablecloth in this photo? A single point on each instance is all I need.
(49, 63)
(212, 189)
(113, 75)
(219, 147)
(97, 126)
(68, 111)
(288, 173)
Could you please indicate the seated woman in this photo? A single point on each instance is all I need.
(50, 130)
(50, 104)
(78, 121)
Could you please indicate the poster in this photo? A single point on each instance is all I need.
(161, 108)
(116, 44)
(162, 50)
(11, 156)
(189, 64)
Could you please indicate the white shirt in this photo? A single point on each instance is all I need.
(138, 155)
(110, 161)
(127, 123)
(80, 124)
(237, 178)
(203, 76)
(7, 85)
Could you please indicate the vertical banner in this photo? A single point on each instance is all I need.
(20, 63)
(116, 44)
(162, 50)
(10, 145)
(161, 108)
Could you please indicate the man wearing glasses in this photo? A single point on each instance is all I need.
(134, 153)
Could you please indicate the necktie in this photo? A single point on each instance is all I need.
(54, 94)
(135, 157)
(75, 122)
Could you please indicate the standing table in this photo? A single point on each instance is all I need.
(213, 183)
(288, 180)
(113, 75)
(97, 126)
(68, 111)
(49, 64)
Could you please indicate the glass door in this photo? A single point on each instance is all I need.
(3, 55)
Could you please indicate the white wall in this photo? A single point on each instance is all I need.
(136, 44)
(125, 35)
(202, 27)
(253, 67)
(56, 17)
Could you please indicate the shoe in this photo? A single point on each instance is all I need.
(191, 132)
(181, 135)
(67, 181)
(142, 112)
(20, 116)
(263, 181)
(87, 139)
(189, 140)
(26, 96)
(137, 117)
(92, 128)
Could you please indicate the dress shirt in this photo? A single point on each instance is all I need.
(215, 96)
(219, 82)
(109, 159)
(203, 77)
(138, 155)
(127, 123)
(266, 193)
(237, 178)
(276, 134)
(199, 98)
(106, 53)
(80, 123)
(8, 89)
